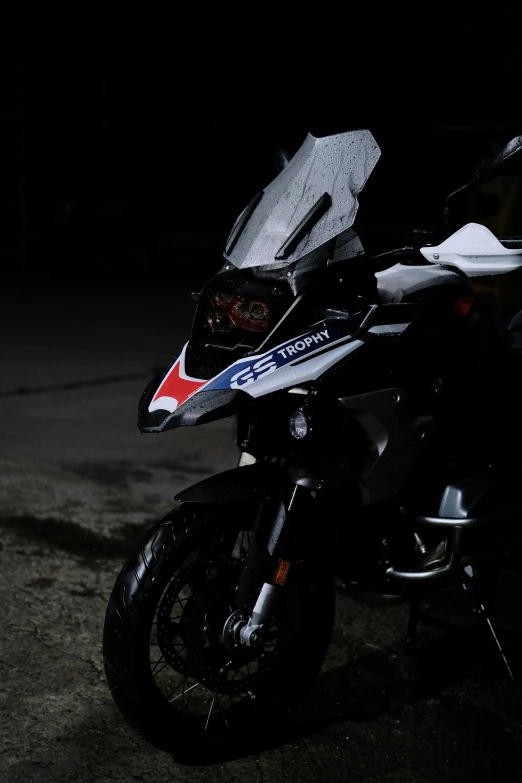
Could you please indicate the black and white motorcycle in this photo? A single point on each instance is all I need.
(363, 390)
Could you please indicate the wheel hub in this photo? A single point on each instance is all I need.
(232, 629)
(203, 640)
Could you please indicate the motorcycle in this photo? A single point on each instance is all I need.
(360, 389)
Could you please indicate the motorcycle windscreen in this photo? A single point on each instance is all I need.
(311, 201)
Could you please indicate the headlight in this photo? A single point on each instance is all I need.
(228, 310)
(299, 425)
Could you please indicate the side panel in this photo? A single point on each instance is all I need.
(398, 438)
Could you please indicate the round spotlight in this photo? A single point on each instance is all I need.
(299, 425)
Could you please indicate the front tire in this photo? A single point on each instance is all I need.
(173, 676)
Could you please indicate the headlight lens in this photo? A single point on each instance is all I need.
(299, 425)
(228, 310)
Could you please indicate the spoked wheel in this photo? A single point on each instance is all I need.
(195, 657)
(173, 660)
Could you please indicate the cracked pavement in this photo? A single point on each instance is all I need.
(78, 486)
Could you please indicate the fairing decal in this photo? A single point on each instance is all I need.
(309, 370)
(247, 373)
(176, 387)
(297, 360)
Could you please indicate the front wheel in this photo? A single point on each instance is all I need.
(173, 673)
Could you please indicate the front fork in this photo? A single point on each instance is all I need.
(283, 527)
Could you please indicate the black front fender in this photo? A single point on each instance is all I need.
(249, 484)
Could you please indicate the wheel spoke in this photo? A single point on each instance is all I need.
(180, 685)
(161, 660)
(180, 695)
(160, 670)
(210, 711)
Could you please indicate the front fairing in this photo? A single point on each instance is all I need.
(294, 250)
(289, 357)
(178, 401)
(216, 375)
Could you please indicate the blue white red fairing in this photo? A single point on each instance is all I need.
(300, 359)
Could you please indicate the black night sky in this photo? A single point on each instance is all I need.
(133, 136)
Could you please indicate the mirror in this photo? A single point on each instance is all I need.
(281, 160)
(508, 161)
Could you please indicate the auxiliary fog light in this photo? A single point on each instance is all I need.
(299, 425)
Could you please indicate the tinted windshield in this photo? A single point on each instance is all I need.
(312, 200)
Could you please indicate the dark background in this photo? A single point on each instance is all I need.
(132, 136)
(130, 139)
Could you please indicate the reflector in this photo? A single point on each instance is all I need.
(281, 572)
(463, 305)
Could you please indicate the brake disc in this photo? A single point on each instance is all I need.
(200, 642)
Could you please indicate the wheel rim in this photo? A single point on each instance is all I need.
(192, 668)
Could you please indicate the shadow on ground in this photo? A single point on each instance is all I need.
(401, 686)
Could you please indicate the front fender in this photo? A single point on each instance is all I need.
(248, 484)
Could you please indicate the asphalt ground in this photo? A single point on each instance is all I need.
(78, 486)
